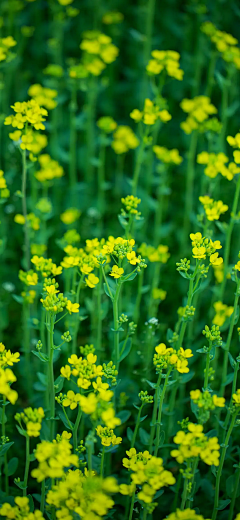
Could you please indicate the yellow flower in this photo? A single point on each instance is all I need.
(72, 307)
(92, 280)
(88, 404)
(116, 272)
(108, 417)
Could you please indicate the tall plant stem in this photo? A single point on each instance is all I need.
(102, 462)
(220, 467)
(154, 414)
(137, 426)
(137, 169)
(228, 239)
(51, 389)
(24, 211)
(116, 325)
(73, 140)
(148, 41)
(229, 338)
(75, 428)
(101, 178)
(77, 322)
(5, 454)
(91, 107)
(234, 495)
(188, 205)
(158, 429)
(99, 314)
(27, 464)
(42, 504)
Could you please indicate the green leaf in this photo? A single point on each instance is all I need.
(42, 378)
(21, 431)
(107, 292)
(232, 360)
(32, 457)
(67, 425)
(144, 436)
(143, 418)
(223, 504)
(128, 277)
(153, 385)
(187, 377)
(5, 448)
(1, 416)
(123, 221)
(126, 350)
(124, 415)
(129, 434)
(58, 383)
(229, 379)
(18, 298)
(42, 357)
(12, 466)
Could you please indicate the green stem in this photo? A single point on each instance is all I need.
(75, 429)
(77, 322)
(158, 430)
(27, 464)
(42, 496)
(206, 376)
(210, 75)
(91, 105)
(132, 506)
(148, 41)
(137, 169)
(220, 467)
(102, 462)
(24, 211)
(234, 386)
(228, 239)
(51, 389)
(139, 296)
(101, 175)
(89, 457)
(234, 495)
(136, 426)
(189, 189)
(185, 488)
(154, 414)
(5, 454)
(116, 325)
(192, 483)
(73, 138)
(99, 314)
(229, 338)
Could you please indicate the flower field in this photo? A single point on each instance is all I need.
(120, 260)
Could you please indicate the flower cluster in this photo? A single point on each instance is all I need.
(124, 140)
(20, 510)
(4, 191)
(131, 204)
(45, 266)
(107, 124)
(32, 418)
(213, 208)
(7, 358)
(151, 114)
(203, 247)
(225, 43)
(166, 358)
(53, 458)
(165, 61)
(49, 169)
(45, 97)
(107, 436)
(7, 377)
(5, 45)
(206, 401)
(195, 443)
(187, 514)
(236, 399)
(158, 254)
(216, 163)
(199, 110)
(222, 313)
(86, 496)
(167, 156)
(70, 216)
(148, 472)
(99, 51)
(27, 113)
